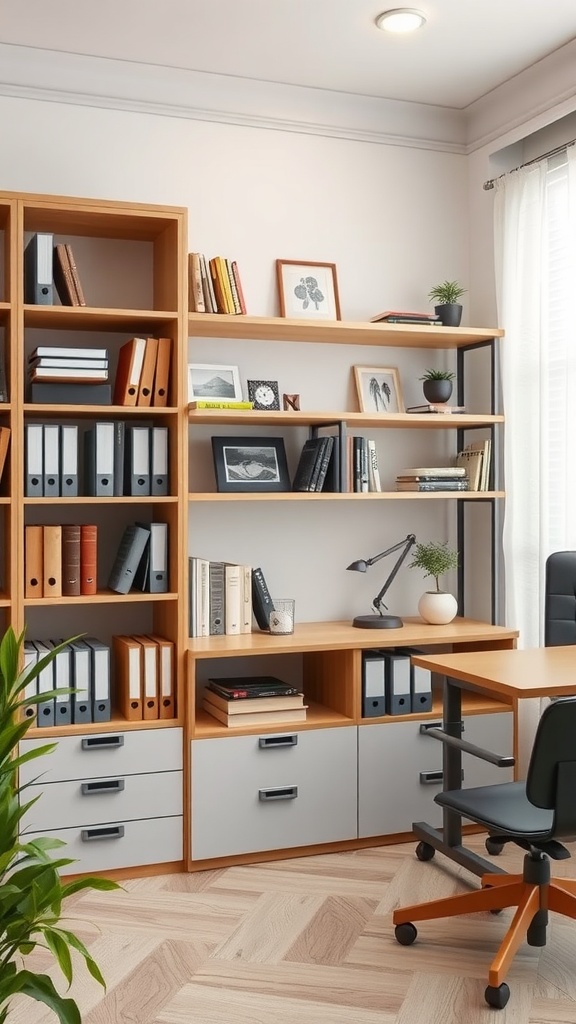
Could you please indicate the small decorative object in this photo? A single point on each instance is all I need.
(291, 402)
(437, 385)
(446, 296)
(436, 606)
(214, 382)
(378, 389)
(264, 394)
(281, 619)
(250, 464)
(308, 290)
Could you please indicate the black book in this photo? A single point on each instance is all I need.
(262, 603)
(305, 468)
(325, 462)
(242, 687)
(313, 486)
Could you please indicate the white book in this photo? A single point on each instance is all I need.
(233, 599)
(374, 483)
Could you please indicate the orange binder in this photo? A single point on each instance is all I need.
(149, 673)
(146, 386)
(130, 360)
(128, 677)
(33, 555)
(52, 562)
(88, 559)
(162, 375)
(4, 442)
(165, 678)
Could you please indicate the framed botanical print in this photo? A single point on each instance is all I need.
(308, 290)
(378, 389)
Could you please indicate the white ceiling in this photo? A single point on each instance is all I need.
(466, 49)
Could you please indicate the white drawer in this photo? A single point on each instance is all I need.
(253, 793)
(93, 802)
(101, 755)
(119, 844)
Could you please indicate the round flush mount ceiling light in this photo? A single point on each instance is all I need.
(401, 19)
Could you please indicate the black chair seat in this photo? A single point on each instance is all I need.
(504, 809)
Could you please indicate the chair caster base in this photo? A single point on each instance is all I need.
(493, 847)
(424, 851)
(405, 934)
(497, 997)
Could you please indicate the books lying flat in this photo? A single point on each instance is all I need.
(241, 687)
(254, 717)
(249, 704)
(435, 471)
(436, 407)
(61, 352)
(444, 484)
(205, 404)
(400, 316)
(53, 375)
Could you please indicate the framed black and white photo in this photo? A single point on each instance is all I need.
(250, 464)
(308, 290)
(378, 389)
(214, 382)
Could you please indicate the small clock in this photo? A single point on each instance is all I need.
(264, 394)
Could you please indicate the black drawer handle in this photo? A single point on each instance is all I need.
(105, 786)
(102, 742)
(88, 835)
(278, 793)
(272, 742)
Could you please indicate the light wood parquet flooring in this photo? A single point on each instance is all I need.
(307, 941)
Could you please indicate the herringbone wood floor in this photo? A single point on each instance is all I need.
(307, 941)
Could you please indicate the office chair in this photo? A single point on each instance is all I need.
(560, 599)
(534, 814)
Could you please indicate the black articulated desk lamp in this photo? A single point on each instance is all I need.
(381, 621)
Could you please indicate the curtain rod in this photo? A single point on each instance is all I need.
(551, 152)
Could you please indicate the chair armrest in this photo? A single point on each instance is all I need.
(434, 730)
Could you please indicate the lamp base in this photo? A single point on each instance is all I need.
(377, 622)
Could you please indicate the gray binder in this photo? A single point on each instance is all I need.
(62, 680)
(99, 460)
(38, 287)
(100, 678)
(137, 460)
(69, 460)
(398, 700)
(81, 665)
(45, 684)
(373, 684)
(159, 460)
(130, 551)
(420, 684)
(152, 574)
(31, 688)
(34, 456)
(119, 432)
(51, 460)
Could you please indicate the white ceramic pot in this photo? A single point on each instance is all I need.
(437, 607)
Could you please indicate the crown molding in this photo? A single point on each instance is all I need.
(52, 76)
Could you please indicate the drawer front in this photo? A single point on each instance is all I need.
(120, 844)
(101, 755)
(391, 793)
(96, 801)
(253, 793)
(494, 732)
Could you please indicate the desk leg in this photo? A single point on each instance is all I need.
(449, 840)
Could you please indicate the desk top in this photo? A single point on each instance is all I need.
(536, 672)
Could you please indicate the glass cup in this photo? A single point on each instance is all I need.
(281, 620)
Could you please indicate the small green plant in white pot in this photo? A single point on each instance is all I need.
(435, 559)
(448, 308)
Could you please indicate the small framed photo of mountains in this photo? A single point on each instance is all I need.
(214, 382)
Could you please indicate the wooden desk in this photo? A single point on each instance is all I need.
(538, 672)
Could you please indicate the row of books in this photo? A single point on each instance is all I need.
(48, 266)
(138, 680)
(61, 560)
(433, 478)
(396, 316)
(45, 364)
(338, 463)
(239, 702)
(224, 598)
(118, 459)
(475, 458)
(214, 285)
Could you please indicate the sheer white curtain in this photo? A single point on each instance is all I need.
(535, 261)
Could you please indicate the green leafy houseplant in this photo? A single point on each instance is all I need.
(31, 890)
(435, 559)
(446, 293)
(438, 375)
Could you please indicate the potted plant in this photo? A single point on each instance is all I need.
(436, 606)
(447, 307)
(31, 891)
(437, 385)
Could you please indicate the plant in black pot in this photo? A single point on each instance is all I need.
(437, 386)
(447, 307)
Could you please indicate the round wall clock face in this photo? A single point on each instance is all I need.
(264, 394)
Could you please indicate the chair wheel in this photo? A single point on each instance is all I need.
(405, 933)
(495, 910)
(497, 997)
(493, 847)
(424, 851)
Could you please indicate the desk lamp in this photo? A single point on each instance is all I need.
(381, 621)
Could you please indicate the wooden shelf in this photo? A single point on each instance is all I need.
(116, 724)
(90, 411)
(348, 496)
(85, 499)
(102, 597)
(336, 332)
(87, 318)
(384, 421)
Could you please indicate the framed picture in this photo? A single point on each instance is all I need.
(264, 394)
(250, 464)
(214, 382)
(307, 290)
(378, 389)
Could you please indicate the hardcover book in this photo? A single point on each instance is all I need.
(254, 717)
(262, 603)
(279, 702)
(243, 687)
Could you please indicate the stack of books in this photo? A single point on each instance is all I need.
(393, 316)
(254, 700)
(432, 478)
(313, 466)
(436, 407)
(54, 364)
(214, 285)
(475, 460)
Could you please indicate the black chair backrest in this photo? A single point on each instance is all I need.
(551, 779)
(560, 599)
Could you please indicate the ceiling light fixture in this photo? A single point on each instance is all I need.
(401, 19)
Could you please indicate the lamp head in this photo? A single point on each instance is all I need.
(360, 566)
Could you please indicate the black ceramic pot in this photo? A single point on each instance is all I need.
(437, 390)
(450, 314)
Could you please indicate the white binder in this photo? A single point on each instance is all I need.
(69, 460)
(34, 454)
(51, 460)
